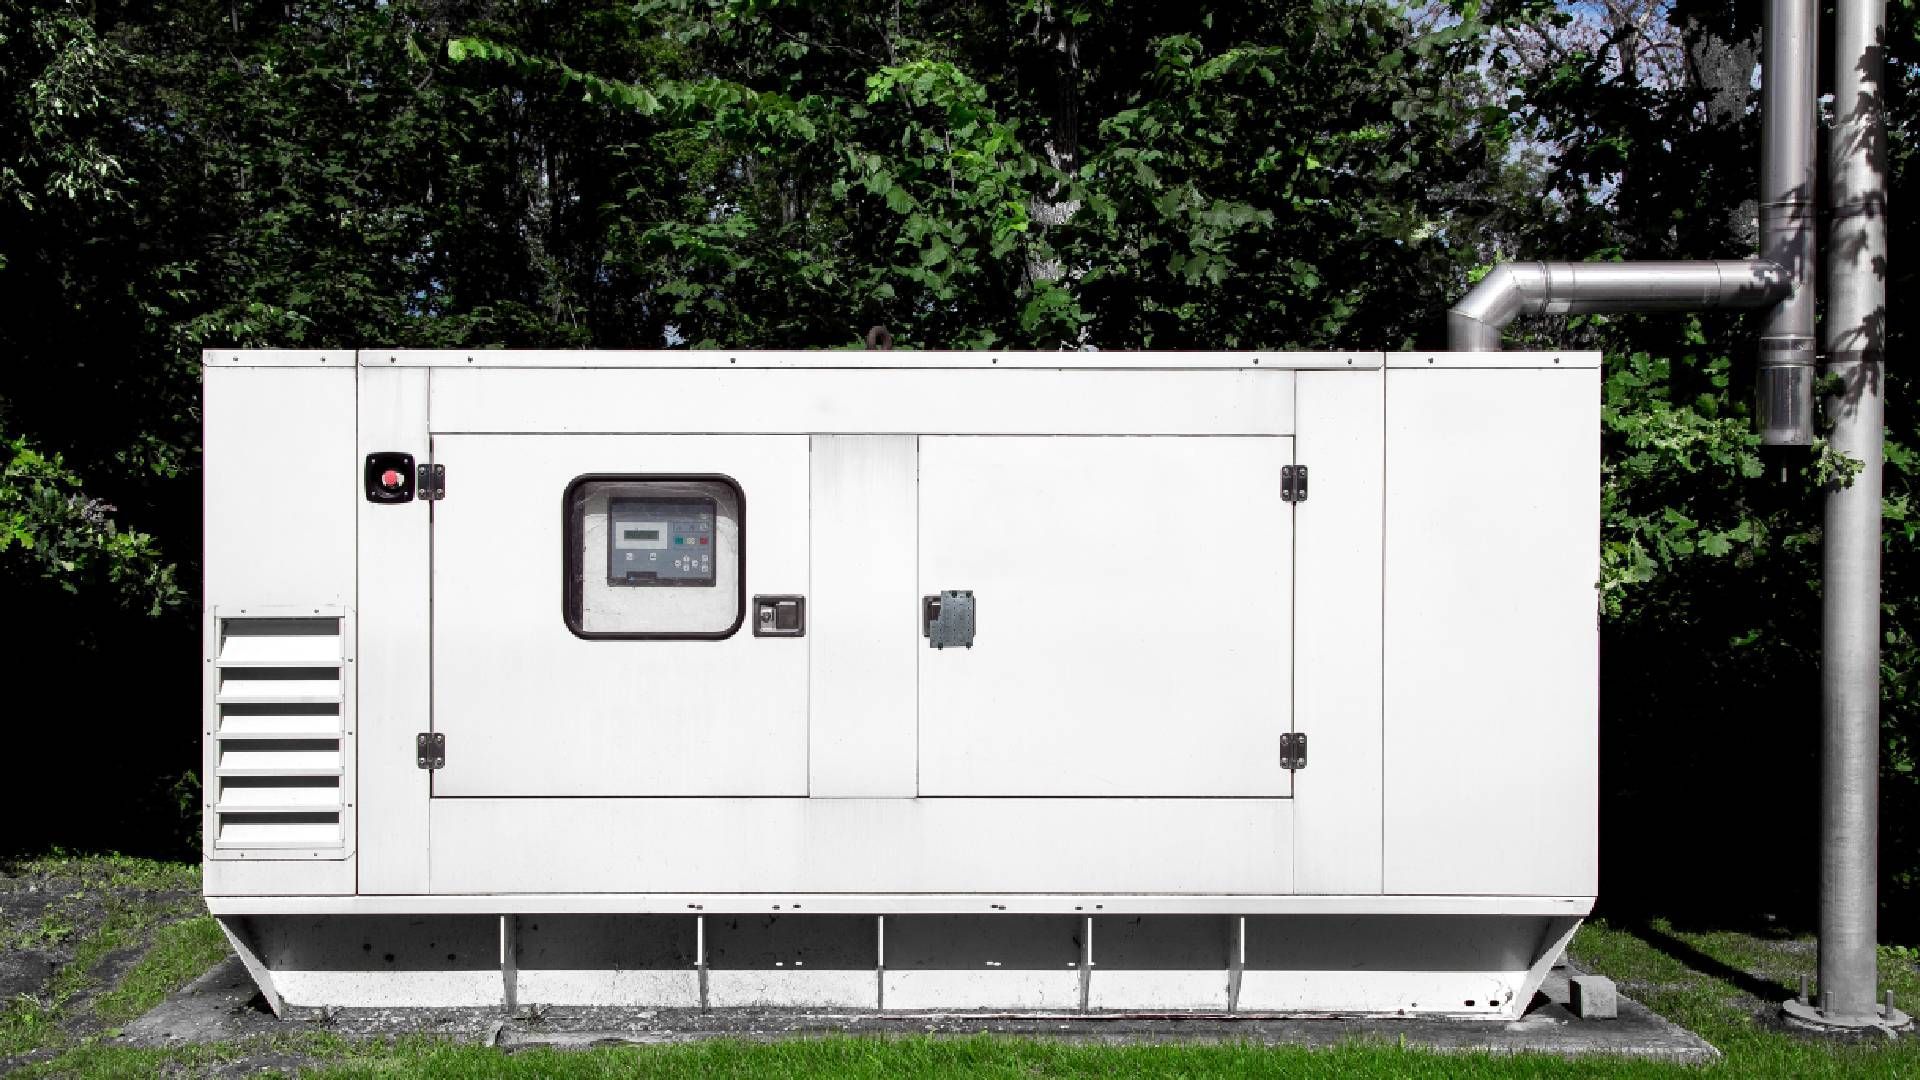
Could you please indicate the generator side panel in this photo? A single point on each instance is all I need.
(1336, 652)
(281, 487)
(1491, 639)
(395, 616)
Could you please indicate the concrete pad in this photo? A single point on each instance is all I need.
(223, 1005)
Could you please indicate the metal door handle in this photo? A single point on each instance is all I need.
(947, 618)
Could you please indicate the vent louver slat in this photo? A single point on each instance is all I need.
(279, 752)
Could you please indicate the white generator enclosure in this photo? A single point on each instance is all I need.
(906, 681)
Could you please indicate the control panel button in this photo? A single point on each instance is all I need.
(654, 524)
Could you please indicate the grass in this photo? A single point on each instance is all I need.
(181, 951)
(98, 1060)
(837, 1057)
(1725, 985)
(107, 905)
(28, 1024)
(118, 872)
(1722, 984)
(973, 1056)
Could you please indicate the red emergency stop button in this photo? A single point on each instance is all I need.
(388, 477)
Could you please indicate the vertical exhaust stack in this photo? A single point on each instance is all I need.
(1854, 340)
(1784, 404)
(1781, 279)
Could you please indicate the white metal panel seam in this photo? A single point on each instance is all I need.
(1293, 619)
(813, 555)
(807, 641)
(393, 624)
(1385, 466)
(1572, 359)
(433, 622)
(353, 793)
(910, 597)
(823, 360)
(988, 903)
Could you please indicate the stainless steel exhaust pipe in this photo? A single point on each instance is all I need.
(1563, 288)
(1784, 395)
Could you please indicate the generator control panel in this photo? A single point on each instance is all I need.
(654, 542)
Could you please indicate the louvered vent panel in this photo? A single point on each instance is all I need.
(279, 754)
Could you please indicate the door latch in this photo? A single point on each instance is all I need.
(779, 616)
(946, 618)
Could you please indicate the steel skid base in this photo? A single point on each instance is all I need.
(1486, 966)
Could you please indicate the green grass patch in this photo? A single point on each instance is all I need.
(850, 1057)
(973, 1056)
(122, 872)
(1727, 986)
(27, 1024)
(279, 1055)
(998, 1056)
(52, 929)
(181, 952)
(103, 905)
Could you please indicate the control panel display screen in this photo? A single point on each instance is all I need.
(660, 542)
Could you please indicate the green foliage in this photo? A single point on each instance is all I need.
(1079, 176)
(60, 104)
(1710, 545)
(49, 523)
(191, 174)
(1234, 210)
(1660, 501)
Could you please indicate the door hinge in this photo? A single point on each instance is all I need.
(1293, 483)
(431, 750)
(433, 482)
(1293, 751)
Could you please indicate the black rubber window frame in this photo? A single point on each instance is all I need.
(573, 563)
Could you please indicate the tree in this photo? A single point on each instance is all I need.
(1059, 175)
(1711, 574)
(1046, 174)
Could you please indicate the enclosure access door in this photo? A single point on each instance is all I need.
(1133, 609)
(587, 594)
